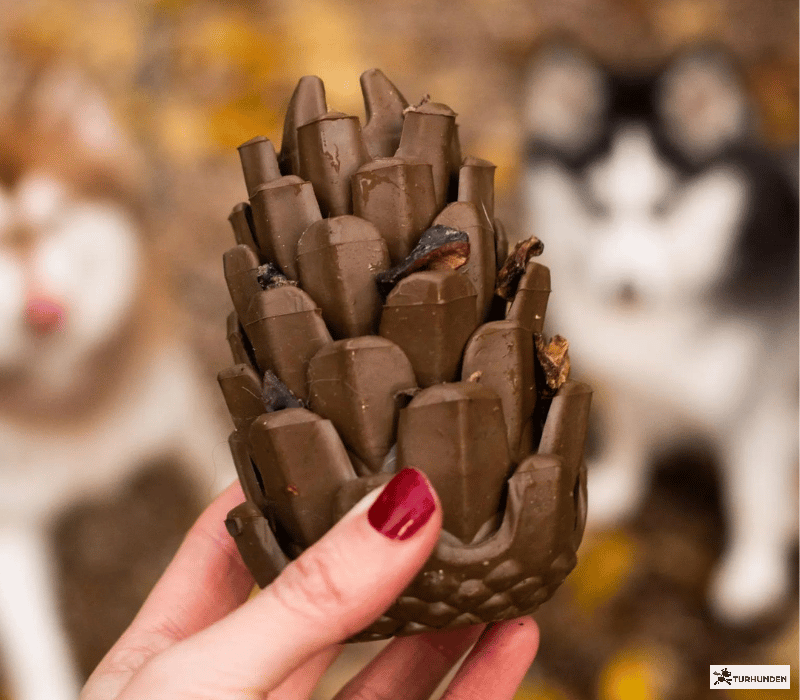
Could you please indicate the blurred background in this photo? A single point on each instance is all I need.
(189, 80)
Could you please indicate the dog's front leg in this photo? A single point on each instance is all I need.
(759, 483)
(619, 477)
(35, 648)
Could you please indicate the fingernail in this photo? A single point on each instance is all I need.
(404, 506)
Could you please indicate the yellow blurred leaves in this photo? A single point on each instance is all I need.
(633, 674)
(605, 562)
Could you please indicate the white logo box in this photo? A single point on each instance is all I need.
(749, 676)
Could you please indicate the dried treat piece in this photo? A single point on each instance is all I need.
(307, 103)
(397, 196)
(242, 391)
(455, 434)
(241, 350)
(514, 267)
(384, 105)
(439, 248)
(502, 352)
(476, 185)
(256, 543)
(530, 301)
(259, 163)
(331, 150)
(282, 210)
(302, 464)
(337, 259)
(353, 382)
(241, 220)
(566, 427)
(443, 303)
(427, 136)
(270, 277)
(500, 243)
(286, 329)
(240, 266)
(553, 358)
(480, 267)
(275, 395)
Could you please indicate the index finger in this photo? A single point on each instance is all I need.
(205, 581)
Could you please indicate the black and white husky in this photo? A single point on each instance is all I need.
(672, 237)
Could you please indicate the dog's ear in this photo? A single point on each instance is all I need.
(703, 104)
(566, 95)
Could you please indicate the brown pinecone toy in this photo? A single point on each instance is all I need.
(379, 324)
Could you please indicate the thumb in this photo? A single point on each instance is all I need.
(333, 590)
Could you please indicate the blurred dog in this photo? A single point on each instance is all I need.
(94, 380)
(672, 237)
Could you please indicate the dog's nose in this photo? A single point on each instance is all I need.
(626, 294)
(44, 316)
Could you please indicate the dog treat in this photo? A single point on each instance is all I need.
(259, 163)
(502, 352)
(380, 324)
(286, 329)
(428, 134)
(476, 185)
(302, 464)
(398, 197)
(338, 259)
(331, 151)
(384, 105)
(530, 299)
(480, 266)
(241, 220)
(442, 302)
(354, 382)
(455, 433)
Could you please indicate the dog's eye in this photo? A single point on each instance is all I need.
(596, 208)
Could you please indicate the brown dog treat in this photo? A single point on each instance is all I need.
(427, 136)
(502, 351)
(256, 543)
(455, 434)
(302, 464)
(384, 105)
(438, 301)
(241, 388)
(338, 259)
(530, 301)
(286, 329)
(259, 163)
(240, 266)
(282, 210)
(398, 197)
(476, 185)
(480, 266)
(331, 151)
(241, 221)
(353, 382)
(307, 103)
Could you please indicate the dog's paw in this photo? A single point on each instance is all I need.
(746, 587)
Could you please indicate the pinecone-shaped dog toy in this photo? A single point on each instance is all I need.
(379, 323)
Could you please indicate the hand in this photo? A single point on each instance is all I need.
(198, 636)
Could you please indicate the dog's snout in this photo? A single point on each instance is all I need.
(626, 294)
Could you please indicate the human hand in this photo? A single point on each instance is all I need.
(198, 636)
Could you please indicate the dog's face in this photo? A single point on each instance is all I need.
(625, 185)
(69, 249)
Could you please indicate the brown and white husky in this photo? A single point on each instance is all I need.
(94, 380)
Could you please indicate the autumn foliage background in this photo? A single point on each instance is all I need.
(192, 79)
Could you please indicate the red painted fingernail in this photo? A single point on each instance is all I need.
(404, 506)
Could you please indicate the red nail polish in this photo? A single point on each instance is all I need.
(404, 506)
